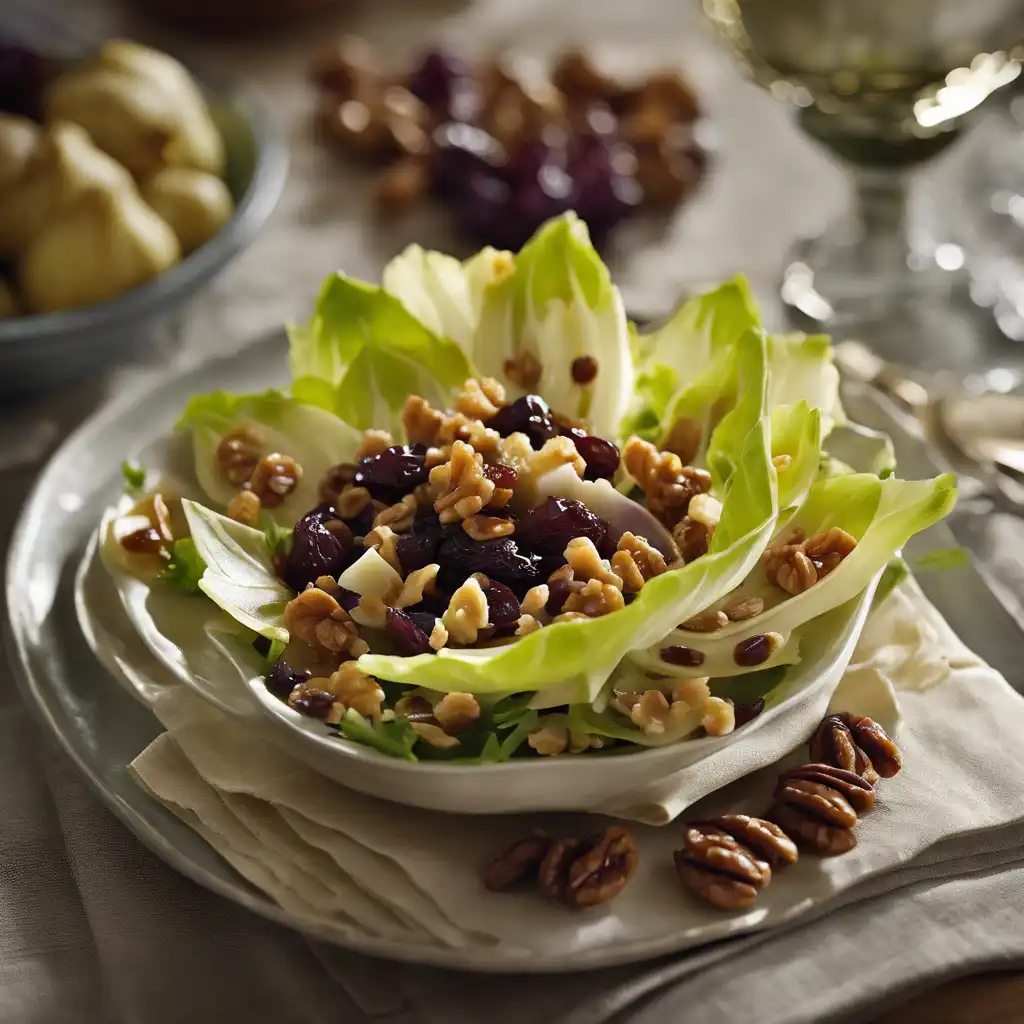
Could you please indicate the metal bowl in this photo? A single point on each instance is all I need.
(46, 350)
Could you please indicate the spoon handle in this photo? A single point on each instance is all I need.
(859, 363)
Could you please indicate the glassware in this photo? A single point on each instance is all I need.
(885, 85)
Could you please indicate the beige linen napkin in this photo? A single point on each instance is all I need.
(962, 735)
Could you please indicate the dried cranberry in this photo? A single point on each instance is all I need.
(424, 620)
(315, 550)
(436, 77)
(418, 548)
(529, 415)
(348, 599)
(408, 637)
(460, 152)
(282, 679)
(558, 594)
(394, 472)
(503, 609)
(501, 475)
(314, 703)
(584, 369)
(755, 650)
(690, 657)
(748, 712)
(601, 457)
(548, 528)
(501, 559)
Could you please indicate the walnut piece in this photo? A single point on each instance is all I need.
(692, 538)
(480, 399)
(464, 489)
(526, 624)
(555, 452)
(374, 442)
(739, 609)
(650, 712)
(245, 508)
(796, 564)
(705, 510)
(691, 692)
(421, 422)
(357, 690)
(587, 564)
(274, 478)
(400, 516)
(550, 738)
(143, 533)
(481, 527)
(535, 600)
(517, 861)
(384, 541)
(456, 712)
(466, 613)
(238, 454)
(316, 618)
(667, 484)
(523, 370)
(719, 716)
(438, 635)
(434, 735)
(352, 501)
(416, 584)
(636, 561)
(595, 599)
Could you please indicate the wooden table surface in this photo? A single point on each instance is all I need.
(993, 998)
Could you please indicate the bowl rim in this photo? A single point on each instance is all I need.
(253, 209)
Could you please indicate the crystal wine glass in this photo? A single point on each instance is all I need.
(885, 85)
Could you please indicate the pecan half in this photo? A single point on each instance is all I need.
(604, 870)
(876, 743)
(814, 816)
(553, 874)
(274, 478)
(763, 838)
(833, 743)
(517, 861)
(858, 791)
(719, 869)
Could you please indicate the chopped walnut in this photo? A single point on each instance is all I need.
(143, 533)
(684, 439)
(719, 716)
(526, 624)
(524, 370)
(352, 501)
(421, 421)
(371, 610)
(782, 461)
(691, 692)
(357, 690)
(244, 508)
(438, 635)
(705, 510)
(595, 599)
(425, 494)
(739, 609)
(636, 561)
(238, 454)
(587, 564)
(581, 741)
(466, 613)
(416, 584)
(692, 538)
(464, 487)
(400, 516)
(274, 478)
(480, 399)
(334, 481)
(667, 484)
(437, 457)
(384, 541)
(456, 712)
(517, 452)
(828, 549)
(374, 442)
(787, 566)
(569, 617)
(481, 527)
(535, 600)
(650, 712)
(706, 622)
(555, 452)
(550, 738)
(435, 735)
(625, 702)
(315, 617)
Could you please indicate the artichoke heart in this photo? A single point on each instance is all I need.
(63, 165)
(102, 244)
(194, 203)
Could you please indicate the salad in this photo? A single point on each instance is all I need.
(490, 518)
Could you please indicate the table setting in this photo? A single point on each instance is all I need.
(747, 749)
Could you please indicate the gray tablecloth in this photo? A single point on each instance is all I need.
(95, 929)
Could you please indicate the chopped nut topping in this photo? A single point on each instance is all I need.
(517, 452)
(739, 609)
(384, 541)
(143, 532)
(274, 478)
(535, 600)
(315, 617)
(650, 712)
(374, 442)
(434, 735)
(524, 370)
(782, 461)
(372, 611)
(352, 501)
(796, 564)
(334, 481)
(719, 716)
(684, 439)
(550, 738)
(238, 454)
(438, 635)
(692, 538)
(555, 452)
(480, 399)
(636, 561)
(570, 617)
(416, 584)
(464, 487)
(466, 613)
(399, 517)
(625, 702)
(421, 421)
(425, 494)
(357, 690)
(705, 510)
(587, 564)
(581, 741)
(481, 527)
(692, 692)
(526, 624)
(705, 622)
(828, 549)
(456, 712)
(595, 599)
(244, 508)
(667, 484)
